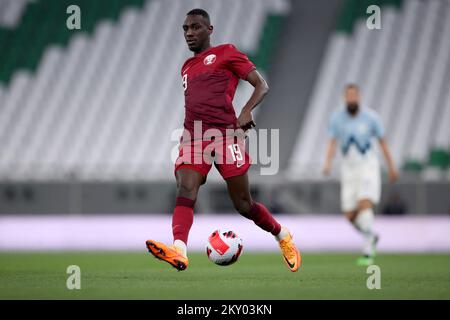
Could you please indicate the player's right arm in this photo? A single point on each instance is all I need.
(331, 150)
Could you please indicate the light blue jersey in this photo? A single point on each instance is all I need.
(355, 134)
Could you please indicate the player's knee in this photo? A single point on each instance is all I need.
(350, 215)
(187, 189)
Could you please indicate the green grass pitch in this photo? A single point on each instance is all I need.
(133, 275)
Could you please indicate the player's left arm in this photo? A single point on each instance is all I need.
(379, 133)
(245, 119)
(393, 174)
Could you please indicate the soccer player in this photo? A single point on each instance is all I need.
(355, 128)
(209, 80)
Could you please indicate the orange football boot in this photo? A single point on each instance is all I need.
(291, 255)
(171, 254)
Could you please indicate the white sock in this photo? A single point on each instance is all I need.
(180, 244)
(364, 223)
(284, 232)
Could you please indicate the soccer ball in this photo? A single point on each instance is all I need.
(224, 248)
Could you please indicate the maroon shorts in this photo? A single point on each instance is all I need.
(227, 154)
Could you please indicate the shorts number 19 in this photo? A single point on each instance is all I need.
(235, 151)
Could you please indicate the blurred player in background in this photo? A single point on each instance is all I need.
(210, 79)
(354, 129)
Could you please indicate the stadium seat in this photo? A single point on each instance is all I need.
(11, 12)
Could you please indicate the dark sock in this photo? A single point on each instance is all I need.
(264, 219)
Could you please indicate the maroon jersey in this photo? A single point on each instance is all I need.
(210, 79)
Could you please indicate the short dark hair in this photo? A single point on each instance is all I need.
(351, 86)
(200, 12)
